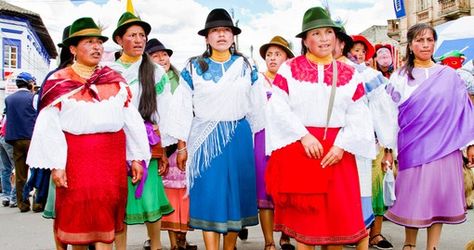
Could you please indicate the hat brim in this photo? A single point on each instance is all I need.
(70, 40)
(159, 48)
(235, 30)
(264, 48)
(316, 25)
(146, 27)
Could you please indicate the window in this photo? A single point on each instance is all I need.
(10, 57)
(11, 53)
(422, 5)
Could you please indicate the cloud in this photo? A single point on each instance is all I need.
(176, 22)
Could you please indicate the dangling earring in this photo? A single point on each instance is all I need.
(75, 57)
(208, 50)
(232, 49)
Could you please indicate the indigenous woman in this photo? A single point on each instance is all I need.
(174, 179)
(315, 122)
(221, 170)
(427, 116)
(150, 88)
(276, 52)
(86, 116)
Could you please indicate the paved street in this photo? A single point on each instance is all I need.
(29, 230)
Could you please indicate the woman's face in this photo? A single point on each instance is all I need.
(321, 41)
(220, 38)
(133, 41)
(88, 51)
(162, 58)
(358, 51)
(274, 57)
(423, 45)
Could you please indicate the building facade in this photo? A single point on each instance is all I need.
(25, 46)
(433, 12)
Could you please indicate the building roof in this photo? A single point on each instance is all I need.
(35, 22)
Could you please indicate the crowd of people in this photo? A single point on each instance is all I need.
(301, 147)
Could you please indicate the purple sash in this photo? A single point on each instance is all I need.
(436, 120)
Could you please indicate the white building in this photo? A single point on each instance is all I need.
(25, 45)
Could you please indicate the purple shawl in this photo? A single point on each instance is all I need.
(436, 120)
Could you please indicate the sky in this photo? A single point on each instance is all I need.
(176, 22)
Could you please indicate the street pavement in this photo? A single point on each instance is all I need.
(30, 230)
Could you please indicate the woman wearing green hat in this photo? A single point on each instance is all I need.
(315, 122)
(86, 118)
(220, 169)
(151, 94)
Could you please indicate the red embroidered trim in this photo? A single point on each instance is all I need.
(281, 83)
(359, 92)
(303, 70)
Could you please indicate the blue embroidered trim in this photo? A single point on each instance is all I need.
(187, 77)
(214, 72)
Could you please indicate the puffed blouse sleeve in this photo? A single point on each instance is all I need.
(48, 135)
(164, 100)
(383, 106)
(283, 126)
(258, 99)
(357, 135)
(181, 107)
(137, 146)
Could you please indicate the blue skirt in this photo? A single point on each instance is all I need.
(224, 197)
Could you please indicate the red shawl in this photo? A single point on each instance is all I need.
(55, 88)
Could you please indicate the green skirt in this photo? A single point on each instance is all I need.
(49, 210)
(153, 204)
(377, 186)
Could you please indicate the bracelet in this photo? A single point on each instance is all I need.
(179, 150)
(388, 150)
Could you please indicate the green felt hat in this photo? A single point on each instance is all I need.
(128, 19)
(83, 27)
(280, 42)
(316, 17)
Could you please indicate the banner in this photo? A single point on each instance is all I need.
(399, 7)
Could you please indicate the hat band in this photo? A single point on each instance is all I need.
(319, 24)
(131, 20)
(86, 32)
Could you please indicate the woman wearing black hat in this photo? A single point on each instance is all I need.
(315, 122)
(147, 202)
(220, 167)
(85, 116)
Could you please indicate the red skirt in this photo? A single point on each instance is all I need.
(316, 206)
(92, 208)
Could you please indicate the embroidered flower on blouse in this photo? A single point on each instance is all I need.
(303, 70)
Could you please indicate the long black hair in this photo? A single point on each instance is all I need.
(412, 33)
(146, 77)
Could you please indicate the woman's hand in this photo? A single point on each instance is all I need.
(470, 156)
(137, 171)
(312, 146)
(387, 160)
(163, 165)
(181, 158)
(59, 177)
(332, 157)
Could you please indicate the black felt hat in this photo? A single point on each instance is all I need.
(219, 18)
(154, 45)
